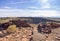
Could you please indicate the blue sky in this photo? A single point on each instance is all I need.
(29, 8)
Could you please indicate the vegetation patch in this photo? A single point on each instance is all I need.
(11, 29)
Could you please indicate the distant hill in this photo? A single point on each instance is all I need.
(35, 20)
(42, 19)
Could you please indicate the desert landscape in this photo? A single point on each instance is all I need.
(29, 29)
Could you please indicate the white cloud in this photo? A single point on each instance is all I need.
(6, 7)
(45, 13)
(22, 1)
(44, 3)
(28, 13)
(17, 2)
(46, 6)
(33, 7)
(12, 13)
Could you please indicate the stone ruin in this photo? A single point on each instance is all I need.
(47, 27)
(18, 23)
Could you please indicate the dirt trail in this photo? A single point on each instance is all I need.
(37, 36)
(42, 37)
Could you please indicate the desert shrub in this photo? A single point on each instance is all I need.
(11, 29)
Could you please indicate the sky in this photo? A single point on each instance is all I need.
(29, 8)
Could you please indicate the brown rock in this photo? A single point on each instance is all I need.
(25, 39)
(1, 32)
(8, 36)
(17, 36)
(1, 39)
(50, 38)
(4, 39)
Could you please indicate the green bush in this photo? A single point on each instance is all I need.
(11, 29)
